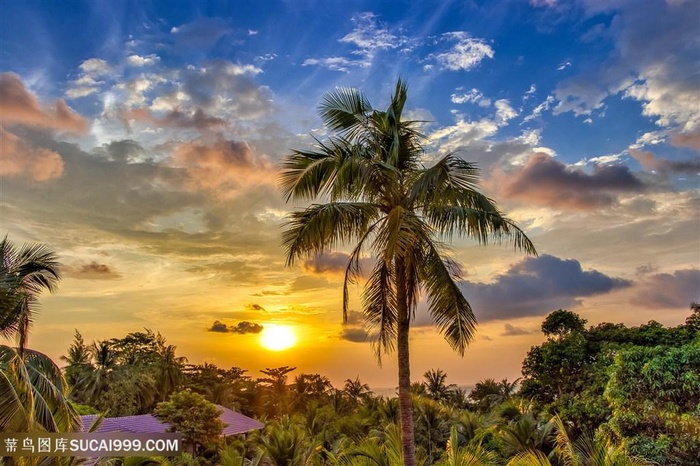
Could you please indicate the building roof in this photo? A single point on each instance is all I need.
(235, 423)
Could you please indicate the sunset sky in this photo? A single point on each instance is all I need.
(142, 141)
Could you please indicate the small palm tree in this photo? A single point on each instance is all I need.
(285, 444)
(436, 386)
(473, 454)
(378, 195)
(356, 390)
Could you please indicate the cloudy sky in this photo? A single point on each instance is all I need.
(142, 140)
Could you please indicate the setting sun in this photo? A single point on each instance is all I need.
(277, 337)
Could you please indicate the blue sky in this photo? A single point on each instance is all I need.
(142, 139)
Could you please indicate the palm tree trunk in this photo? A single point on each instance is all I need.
(408, 444)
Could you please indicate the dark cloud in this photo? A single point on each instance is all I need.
(333, 262)
(355, 335)
(242, 328)
(255, 307)
(354, 328)
(221, 81)
(664, 290)
(546, 181)
(91, 271)
(651, 162)
(510, 330)
(536, 286)
(197, 119)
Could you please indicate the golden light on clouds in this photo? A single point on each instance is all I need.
(278, 337)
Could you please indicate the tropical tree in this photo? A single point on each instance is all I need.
(24, 274)
(473, 454)
(194, 417)
(78, 362)
(436, 386)
(381, 197)
(169, 370)
(33, 394)
(32, 388)
(356, 390)
(584, 451)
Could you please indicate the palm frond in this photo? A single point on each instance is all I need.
(447, 181)
(33, 393)
(352, 270)
(345, 111)
(322, 226)
(379, 304)
(451, 312)
(529, 458)
(484, 226)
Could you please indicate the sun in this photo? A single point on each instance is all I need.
(277, 337)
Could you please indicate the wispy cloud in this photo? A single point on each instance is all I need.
(466, 54)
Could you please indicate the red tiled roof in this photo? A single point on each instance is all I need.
(236, 423)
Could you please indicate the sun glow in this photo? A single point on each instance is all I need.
(277, 337)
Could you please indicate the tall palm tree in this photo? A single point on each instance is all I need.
(24, 273)
(377, 194)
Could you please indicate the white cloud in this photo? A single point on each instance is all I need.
(466, 54)
(88, 81)
(95, 67)
(473, 96)
(332, 63)
(530, 92)
(368, 37)
(138, 60)
(504, 112)
(540, 108)
(641, 67)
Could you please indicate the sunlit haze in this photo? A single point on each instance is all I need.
(142, 142)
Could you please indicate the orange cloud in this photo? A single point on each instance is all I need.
(19, 106)
(651, 162)
(690, 140)
(224, 167)
(19, 159)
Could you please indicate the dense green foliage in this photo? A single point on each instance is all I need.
(194, 417)
(638, 401)
(123, 376)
